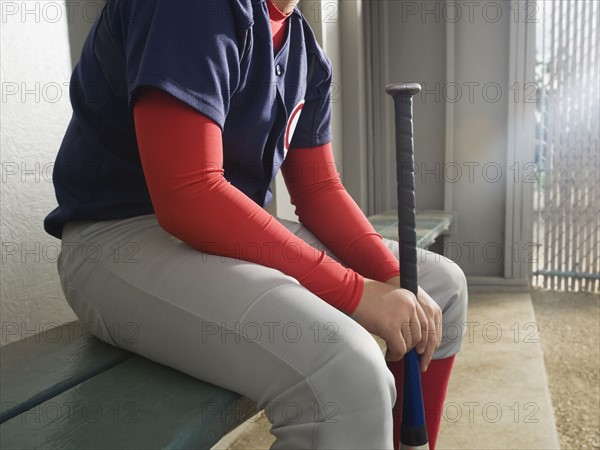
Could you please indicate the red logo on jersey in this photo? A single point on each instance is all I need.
(291, 125)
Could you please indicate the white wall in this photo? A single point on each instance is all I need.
(464, 168)
(480, 141)
(417, 46)
(36, 68)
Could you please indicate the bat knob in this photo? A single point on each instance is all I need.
(403, 89)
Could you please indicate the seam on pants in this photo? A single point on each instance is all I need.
(69, 289)
(305, 376)
(91, 305)
(257, 299)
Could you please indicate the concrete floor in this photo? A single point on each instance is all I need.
(498, 396)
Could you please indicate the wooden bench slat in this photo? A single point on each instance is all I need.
(429, 225)
(42, 366)
(136, 404)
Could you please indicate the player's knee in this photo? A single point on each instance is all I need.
(457, 284)
(454, 312)
(365, 380)
(355, 393)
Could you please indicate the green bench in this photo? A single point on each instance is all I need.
(63, 388)
(430, 227)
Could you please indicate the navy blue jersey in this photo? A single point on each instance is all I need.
(216, 56)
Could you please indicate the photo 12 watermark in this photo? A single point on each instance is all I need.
(426, 11)
(478, 91)
(73, 412)
(28, 252)
(53, 333)
(269, 332)
(50, 12)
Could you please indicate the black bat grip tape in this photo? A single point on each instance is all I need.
(405, 177)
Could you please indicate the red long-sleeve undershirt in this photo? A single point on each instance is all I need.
(325, 207)
(182, 157)
(194, 202)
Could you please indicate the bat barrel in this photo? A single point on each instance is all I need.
(413, 431)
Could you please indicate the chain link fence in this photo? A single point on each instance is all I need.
(567, 200)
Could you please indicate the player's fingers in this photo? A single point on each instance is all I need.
(414, 330)
(424, 323)
(396, 348)
(434, 317)
(438, 329)
(427, 354)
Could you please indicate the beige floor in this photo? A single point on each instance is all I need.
(498, 396)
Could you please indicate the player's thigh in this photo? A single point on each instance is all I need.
(236, 324)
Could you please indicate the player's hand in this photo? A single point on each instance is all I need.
(431, 330)
(392, 314)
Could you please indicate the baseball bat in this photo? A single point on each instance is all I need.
(409, 421)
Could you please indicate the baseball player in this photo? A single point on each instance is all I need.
(183, 113)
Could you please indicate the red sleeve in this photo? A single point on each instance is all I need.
(182, 157)
(325, 207)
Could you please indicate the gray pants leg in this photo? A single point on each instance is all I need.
(318, 374)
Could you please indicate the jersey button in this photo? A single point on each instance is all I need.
(278, 70)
